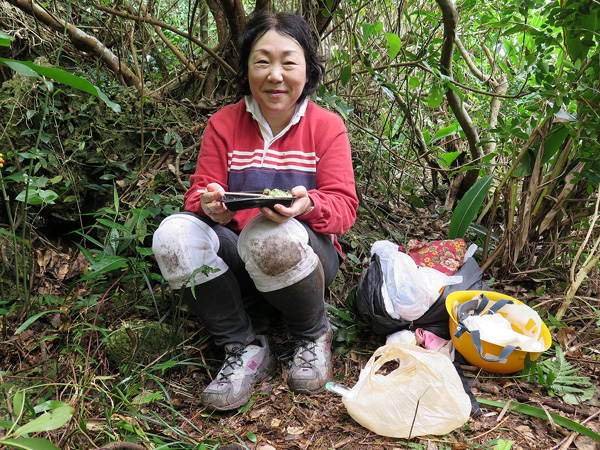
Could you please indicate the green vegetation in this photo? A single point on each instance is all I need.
(475, 120)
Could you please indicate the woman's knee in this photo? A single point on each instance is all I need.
(276, 255)
(182, 244)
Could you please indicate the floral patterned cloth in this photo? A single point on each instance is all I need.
(446, 256)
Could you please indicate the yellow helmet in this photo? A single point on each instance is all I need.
(489, 356)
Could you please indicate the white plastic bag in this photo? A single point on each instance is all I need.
(425, 389)
(408, 290)
(402, 337)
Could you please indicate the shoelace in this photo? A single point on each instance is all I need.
(306, 352)
(233, 359)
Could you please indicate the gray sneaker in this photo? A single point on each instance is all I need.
(242, 369)
(311, 366)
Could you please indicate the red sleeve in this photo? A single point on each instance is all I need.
(335, 201)
(211, 166)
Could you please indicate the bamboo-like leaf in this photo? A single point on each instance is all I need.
(108, 263)
(467, 208)
(30, 444)
(12, 236)
(541, 414)
(30, 69)
(32, 319)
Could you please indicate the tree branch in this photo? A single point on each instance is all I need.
(82, 41)
(465, 54)
(180, 56)
(498, 84)
(152, 21)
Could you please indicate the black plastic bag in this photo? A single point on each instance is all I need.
(370, 304)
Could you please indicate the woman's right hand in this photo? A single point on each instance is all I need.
(213, 206)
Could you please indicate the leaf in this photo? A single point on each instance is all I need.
(559, 378)
(37, 196)
(346, 74)
(340, 313)
(144, 251)
(6, 424)
(369, 29)
(394, 45)
(18, 403)
(33, 318)
(12, 236)
(553, 143)
(435, 97)
(353, 258)
(541, 414)
(446, 131)
(5, 39)
(19, 67)
(417, 202)
(108, 263)
(30, 69)
(113, 225)
(448, 158)
(116, 198)
(503, 445)
(467, 208)
(30, 444)
(48, 421)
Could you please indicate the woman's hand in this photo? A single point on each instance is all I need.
(301, 205)
(213, 206)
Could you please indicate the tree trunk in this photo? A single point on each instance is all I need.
(450, 19)
(313, 12)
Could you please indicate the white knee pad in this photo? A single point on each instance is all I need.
(182, 244)
(276, 255)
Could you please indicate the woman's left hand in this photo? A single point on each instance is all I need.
(301, 205)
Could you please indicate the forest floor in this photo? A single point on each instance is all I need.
(278, 419)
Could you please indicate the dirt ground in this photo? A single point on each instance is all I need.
(278, 419)
(281, 420)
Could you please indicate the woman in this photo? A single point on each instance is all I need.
(273, 138)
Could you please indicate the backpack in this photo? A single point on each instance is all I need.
(370, 304)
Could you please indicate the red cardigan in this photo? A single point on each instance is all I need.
(314, 153)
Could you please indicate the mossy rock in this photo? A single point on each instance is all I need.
(141, 342)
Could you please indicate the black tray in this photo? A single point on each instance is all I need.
(238, 202)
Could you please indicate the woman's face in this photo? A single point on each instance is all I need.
(277, 75)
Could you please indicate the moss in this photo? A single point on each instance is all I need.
(151, 341)
(32, 382)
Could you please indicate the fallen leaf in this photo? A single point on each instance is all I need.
(490, 388)
(585, 443)
(564, 336)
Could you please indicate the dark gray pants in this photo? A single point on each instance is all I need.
(219, 304)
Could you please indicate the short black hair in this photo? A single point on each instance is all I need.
(291, 25)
